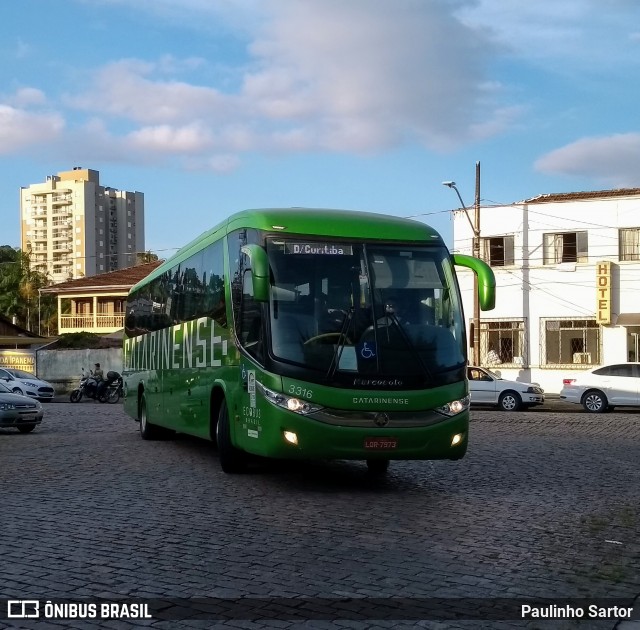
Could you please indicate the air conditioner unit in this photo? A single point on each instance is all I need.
(582, 357)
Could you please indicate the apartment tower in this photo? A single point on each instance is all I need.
(73, 227)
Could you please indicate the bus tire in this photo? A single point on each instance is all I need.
(377, 467)
(148, 431)
(232, 459)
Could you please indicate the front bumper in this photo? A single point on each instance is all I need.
(13, 418)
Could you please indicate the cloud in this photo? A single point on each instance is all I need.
(123, 90)
(613, 160)
(20, 129)
(27, 96)
(583, 34)
(166, 139)
(323, 75)
(406, 75)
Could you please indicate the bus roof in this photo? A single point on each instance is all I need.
(309, 221)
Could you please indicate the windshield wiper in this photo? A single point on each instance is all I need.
(342, 339)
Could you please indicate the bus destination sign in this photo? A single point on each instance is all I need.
(318, 249)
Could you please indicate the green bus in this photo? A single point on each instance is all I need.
(305, 333)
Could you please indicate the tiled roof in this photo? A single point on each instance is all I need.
(576, 196)
(122, 279)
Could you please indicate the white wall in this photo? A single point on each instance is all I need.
(532, 290)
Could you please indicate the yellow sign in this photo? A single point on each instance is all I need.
(603, 292)
(18, 360)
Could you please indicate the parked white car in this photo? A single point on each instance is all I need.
(27, 384)
(603, 388)
(487, 388)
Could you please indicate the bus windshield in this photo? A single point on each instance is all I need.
(364, 312)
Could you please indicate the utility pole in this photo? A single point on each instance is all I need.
(476, 253)
(475, 226)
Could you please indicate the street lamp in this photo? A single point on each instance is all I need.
(475, 226)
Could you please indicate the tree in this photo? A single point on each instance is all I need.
(145, 257)
(19, 289)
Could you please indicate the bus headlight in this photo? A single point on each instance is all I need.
(290, 403)
(454, 407)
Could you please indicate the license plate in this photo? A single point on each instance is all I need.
(380, 443)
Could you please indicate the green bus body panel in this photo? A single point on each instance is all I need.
(259, 425)
(322, 441)
(486, 279)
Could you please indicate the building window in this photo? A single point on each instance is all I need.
(503, 342)
(497, 250)
(629, 243)
(570, 342)
(565, 247)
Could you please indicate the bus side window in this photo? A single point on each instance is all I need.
(251, 327)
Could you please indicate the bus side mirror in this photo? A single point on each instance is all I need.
(486, 279)
(259, 271)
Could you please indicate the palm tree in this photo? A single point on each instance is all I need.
(19, 286)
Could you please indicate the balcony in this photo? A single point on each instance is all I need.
(91, 323)
(61, 201)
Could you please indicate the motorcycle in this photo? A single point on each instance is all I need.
(88, 387)
(110, 390)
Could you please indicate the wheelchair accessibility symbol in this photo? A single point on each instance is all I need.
(368, 350)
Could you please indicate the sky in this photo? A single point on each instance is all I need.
(213, 106)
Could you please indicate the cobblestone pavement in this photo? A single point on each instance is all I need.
(545, 505)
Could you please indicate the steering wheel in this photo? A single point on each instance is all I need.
(326, 336)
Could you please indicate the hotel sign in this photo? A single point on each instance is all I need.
(603, 292)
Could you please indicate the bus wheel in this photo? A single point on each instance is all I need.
(148, 431)
(232, 459)
(378, 466)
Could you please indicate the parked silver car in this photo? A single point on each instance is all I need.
(21, 382)
(487, 388)
(18, 411)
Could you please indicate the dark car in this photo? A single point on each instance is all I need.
(18, 411)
